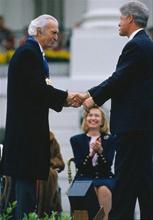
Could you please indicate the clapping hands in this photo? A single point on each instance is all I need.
(95, 147)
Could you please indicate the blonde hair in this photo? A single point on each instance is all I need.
(104, 127)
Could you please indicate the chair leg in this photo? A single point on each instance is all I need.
(80, 215)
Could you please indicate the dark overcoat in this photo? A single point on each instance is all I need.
(130, 87)
(26, 146)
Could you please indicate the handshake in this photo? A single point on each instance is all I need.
(76, 99)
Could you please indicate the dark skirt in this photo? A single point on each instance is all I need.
(104, 181)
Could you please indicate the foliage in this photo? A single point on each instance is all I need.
(53, 216)
(61, 55)
(7, 214)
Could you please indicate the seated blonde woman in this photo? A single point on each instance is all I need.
(93, 153)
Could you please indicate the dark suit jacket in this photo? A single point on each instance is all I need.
(26, 148)
(130, 87)
(80, 147)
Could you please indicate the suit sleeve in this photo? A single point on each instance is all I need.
(127, 71)
(36, 86)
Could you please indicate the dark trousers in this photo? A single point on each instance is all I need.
(24, 192)
(134, 175)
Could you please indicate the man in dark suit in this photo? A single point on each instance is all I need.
(131, 91)
(26, 155)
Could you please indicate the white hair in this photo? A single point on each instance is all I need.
(39, 22)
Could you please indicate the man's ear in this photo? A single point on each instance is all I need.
(39, 31)
(130, 18)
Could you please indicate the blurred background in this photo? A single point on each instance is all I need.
(86, 54)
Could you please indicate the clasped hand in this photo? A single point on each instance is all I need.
(76, 99)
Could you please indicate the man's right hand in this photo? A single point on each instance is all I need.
(76, 99)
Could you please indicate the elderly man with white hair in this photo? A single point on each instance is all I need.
(26, 155)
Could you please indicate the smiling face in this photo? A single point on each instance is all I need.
(48, 35)
(94, 119)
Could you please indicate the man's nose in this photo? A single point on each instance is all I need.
(56, 37)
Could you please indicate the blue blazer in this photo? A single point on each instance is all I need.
(80, 147)
(130, 87)
(27, 145)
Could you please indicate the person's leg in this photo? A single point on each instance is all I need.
(145, 199)
(25, 196)
(126, 168)
(123, 202)
(105, 199)
(133, 170)
(145, 186)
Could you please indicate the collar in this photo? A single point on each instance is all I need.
(134, 33)
(32, 38)
(41, 49)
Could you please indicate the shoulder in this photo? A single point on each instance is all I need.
(29, 48)
(77, 137)
(131, 45)
(106, 136)
(140, 40)
(108, 139)
(133, 51)
(109, 143)
(28, 52)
